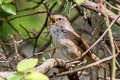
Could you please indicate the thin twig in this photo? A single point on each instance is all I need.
(11, 25)
(111, 54)
(112, 44)
(97, 40)
(10, 19)
(112, 6)
(36, 39)
(87, 66)
(45, 25)
(65, 6)
(15, 46)
(40, 53)
(45, 46)
(28, 33)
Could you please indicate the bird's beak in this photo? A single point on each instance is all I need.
(53, 20)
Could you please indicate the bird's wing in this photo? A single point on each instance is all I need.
(83, 46)
(76, 40)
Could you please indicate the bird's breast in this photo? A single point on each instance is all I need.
(64, 45)
(57, 36)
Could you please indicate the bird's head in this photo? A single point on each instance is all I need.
(59, 20)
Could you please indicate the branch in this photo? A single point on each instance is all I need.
(94, 6)
(50, 64)
(100, 38)
(87, 66)
(10, 19)
(43, 68)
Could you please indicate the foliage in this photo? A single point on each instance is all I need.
(26, 65)
(23, 69)
(79, 2)
(7, 7)
(28, 21)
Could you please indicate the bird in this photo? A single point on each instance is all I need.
(67, 41)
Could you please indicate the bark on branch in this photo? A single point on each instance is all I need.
(94, 6)
(43, 68)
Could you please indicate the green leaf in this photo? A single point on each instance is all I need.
(37, 0)
(8, 1)
(43, 59)
(16, 76)
(9, 8)
(59, 2)
(79, 2)
(1, 1)
(27, 64)
(35, 76)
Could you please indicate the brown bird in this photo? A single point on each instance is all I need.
(67, 41)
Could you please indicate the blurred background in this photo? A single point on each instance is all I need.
(28, 29)
(32, 15)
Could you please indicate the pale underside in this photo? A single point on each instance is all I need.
(65, 42)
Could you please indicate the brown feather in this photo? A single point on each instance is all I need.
(68, 41)
(83, 46)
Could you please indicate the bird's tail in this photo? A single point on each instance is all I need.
(95, 58)
(90, 54)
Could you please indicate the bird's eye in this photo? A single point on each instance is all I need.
(59, 18)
